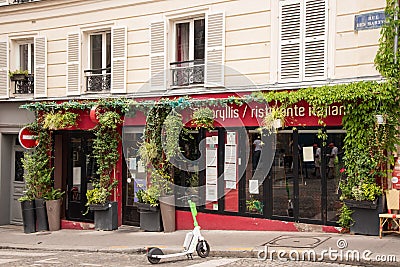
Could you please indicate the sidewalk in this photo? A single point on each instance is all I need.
(223, 243)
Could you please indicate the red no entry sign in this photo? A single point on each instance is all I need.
(27, 138)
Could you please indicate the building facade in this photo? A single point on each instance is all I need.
(77, 50)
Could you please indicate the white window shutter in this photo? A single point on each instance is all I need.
(73, 64)
(315, 39)
(4, 80)
(215, 47)
(290, 39)
(40, 73)
(157, 55)
(118, 55)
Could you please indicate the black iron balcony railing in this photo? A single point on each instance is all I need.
(187, 72)
(22, 1)
(24, 84)
(98, 80)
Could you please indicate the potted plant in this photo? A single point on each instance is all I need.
(149, 209)
(18, 75)
(362, 195)
(53, 207)
(38, 175)
(254, 205)
(161, 143)
(105, 151)
(28, 212)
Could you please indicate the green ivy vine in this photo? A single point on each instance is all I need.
(105, 151)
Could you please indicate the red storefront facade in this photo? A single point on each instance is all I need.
(282, 189)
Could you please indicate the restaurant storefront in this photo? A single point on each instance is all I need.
(236, 190)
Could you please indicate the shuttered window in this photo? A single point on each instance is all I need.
(118, 54)
(198, 44)
(40, 65)
(215, 41)
(157, 55)
(303, 34)
(4, 80)
(73, 64)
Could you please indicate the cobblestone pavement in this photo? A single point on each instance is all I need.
(23, 258)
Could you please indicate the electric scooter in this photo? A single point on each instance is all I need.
(194, 241)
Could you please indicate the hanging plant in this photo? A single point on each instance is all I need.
(105, 151)
(274, 119)
(59, 120)
(203, 118)
(172, 128)
(147, 152)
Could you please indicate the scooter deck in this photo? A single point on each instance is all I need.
(170, 255)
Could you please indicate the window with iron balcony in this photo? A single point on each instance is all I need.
(98, 77)
(189, 45)
(23, 77)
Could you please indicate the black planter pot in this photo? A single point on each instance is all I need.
(28, 216)
(365, 216)
(41, 215)
(150, 217)
(105, 216)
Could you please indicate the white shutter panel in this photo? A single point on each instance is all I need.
(157, 55)
(73, 64)
(4, 80)
(315, 39)
(289, 39)
(215, 45)
(40, 73)
(118, 55)
(3, 2)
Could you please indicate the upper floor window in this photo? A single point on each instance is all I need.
(98, 76)
(302, 39)
(26, 59)
(184, 58)
(188, 67)
(100, 56)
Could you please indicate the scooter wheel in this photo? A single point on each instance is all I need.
(151, 253)
(203, 249)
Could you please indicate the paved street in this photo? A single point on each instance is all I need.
(22, 258)
(125, 247)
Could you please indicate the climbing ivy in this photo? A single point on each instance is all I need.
(365, 139)
(387, 60)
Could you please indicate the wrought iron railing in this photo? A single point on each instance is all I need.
(24, 85)
(187, 72)
(98, 80)
(22, 1)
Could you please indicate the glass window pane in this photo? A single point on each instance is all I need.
(108, 55)
(96, 52)
(76, 168)
(19, 168)
(310, 189)
(199, 39)
(32, 70)
(283, 176)
(23, 57)
(182, 41)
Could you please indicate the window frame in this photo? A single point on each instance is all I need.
(16, 56)
(303, 39)
(191, 36)
(103, 34)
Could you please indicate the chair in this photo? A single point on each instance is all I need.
(392, 218)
